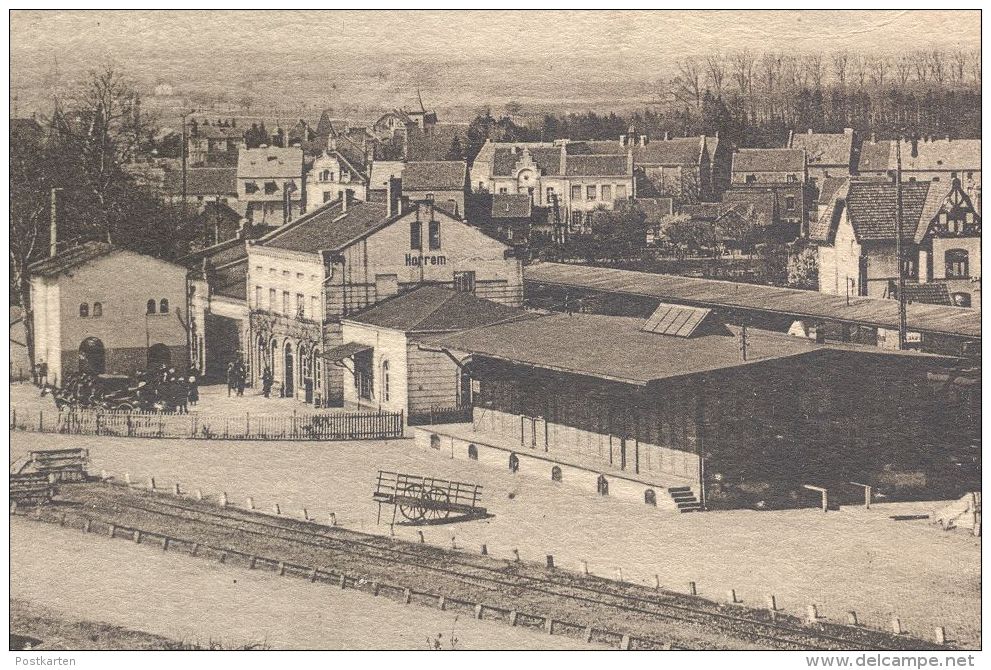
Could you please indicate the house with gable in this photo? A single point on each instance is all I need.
(941, 238)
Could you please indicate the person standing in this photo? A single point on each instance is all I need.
(194, 388)
(240, 378)
(230, 378)
(267, 380)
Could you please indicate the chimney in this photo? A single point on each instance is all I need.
(848, 131)
(344, 202)
(810, 131)
(643, 140)
(791, 135)
(873, 138)
(667, 135)
(388, 198)
(622, 140)
(947, 138)
(915, 147)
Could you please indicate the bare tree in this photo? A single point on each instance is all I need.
(814, 68)
(975, 59)
(715, 70)
(959, 68)
(858, 70)
(688, 82)
(937, 66)
(841, 62)
(879, 67)
(903, 67)
(920, 64)
(770, 64)
(743, 70)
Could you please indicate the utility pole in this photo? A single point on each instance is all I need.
(53, 224)
(743, 342)
(902, 317)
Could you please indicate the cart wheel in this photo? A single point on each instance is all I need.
(438, 496)
(411, 511)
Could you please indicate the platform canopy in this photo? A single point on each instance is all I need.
(346, 350)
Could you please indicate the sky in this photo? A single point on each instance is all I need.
(483, 52)
(483, 34)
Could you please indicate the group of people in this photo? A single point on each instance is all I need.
(237, 375)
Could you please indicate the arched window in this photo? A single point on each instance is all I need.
(473, 452)
(957, 263)
(84, 309)
(434, 441)
(151, 306)
(97, 309)
(163, 306)
(514, 462)
(556, 474)
(602, 485)
(385, 381)
(650, 497)
(325, 175)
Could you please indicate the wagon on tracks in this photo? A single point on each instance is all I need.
(427, 500)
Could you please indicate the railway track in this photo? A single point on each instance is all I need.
(362, 552)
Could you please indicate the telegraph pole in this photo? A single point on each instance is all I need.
(902, 317)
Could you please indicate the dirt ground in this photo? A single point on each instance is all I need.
(62, 578)
(854, 559)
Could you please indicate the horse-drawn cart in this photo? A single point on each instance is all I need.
(425, 500)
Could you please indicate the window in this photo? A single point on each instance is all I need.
(286, 273)
(299, 275)
(300, 306)
(607, 193)
(910, 268)
(503, 189)
(271, 187)
(464, 282)
(911, 179)
(97, 310)
(970, 175)
(957, 264)
(953, 175)
(590, 192)
(327, 196)
(258, 268)
(621, 192)
(550, 194)
(258, 297)
(84, 309)
(325, 175)
(790, 203)
(576, 192)
(271, 300)
(163, 306)
(576, 218)
(434, 235)
(385, 381)
(285, 302)
(314, 312)
(271, 271)
(935, 179)
(792, 178)
(751, 178)
(151, 306)
(250, 187)
(416, 235)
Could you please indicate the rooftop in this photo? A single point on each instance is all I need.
(203, 182)
(676, 151)
(71, 258)
(929, 155)
(871, 207)
(511, 206)
(769, 160)
(618, 348)
(795, 303)
(825, 148)
(595, 165)
(270, 163)
(434, 309)
(328, 227)
(435, 176)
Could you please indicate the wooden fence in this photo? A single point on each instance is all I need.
(439, 415)
(328, 426)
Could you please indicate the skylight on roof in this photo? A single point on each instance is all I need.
(676, 320)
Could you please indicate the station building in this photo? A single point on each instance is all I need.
(303, 279)
(388, 365)
(102, 309)
(679, 410)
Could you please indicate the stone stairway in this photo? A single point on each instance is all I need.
(684, 499)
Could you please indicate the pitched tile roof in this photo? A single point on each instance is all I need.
(871, 208)
(930, 293)
(218, 132)
(328, 227)
(382, 171)
(71, 258)
(435, 176)
(217, 255)
(203, 182)
(270, 163)
(759, 205)
(823, 228)
(874, 157)
(596, 165)
(825, 148)
(769, 160)
(435, 144)
(828, 187)
(511, 206)
(676, 151)
(434, 309)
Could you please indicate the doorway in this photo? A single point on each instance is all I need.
(159, 357)
(92, 356)
(288, 379)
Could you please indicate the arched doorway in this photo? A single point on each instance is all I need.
(159, 356)
(92, 356)
(288, 378)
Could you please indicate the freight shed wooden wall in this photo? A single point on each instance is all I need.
(433, 380)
